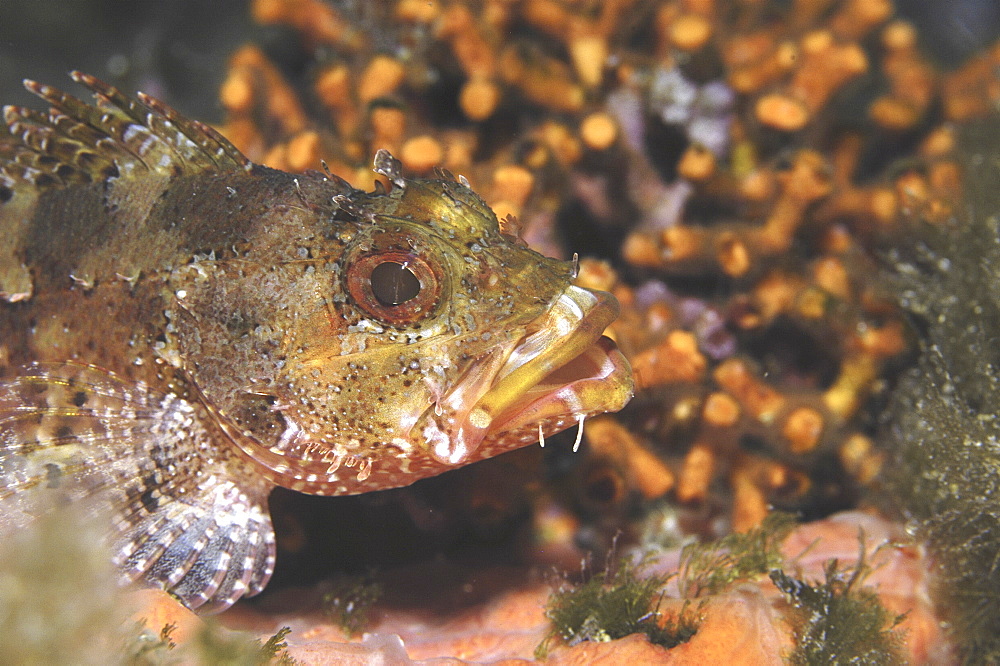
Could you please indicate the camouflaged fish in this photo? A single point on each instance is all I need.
(182, 330)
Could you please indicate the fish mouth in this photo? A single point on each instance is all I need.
(561, 371)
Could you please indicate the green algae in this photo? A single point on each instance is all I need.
(614, 604)
(350, 602)
(61, 603)
(710, 568)
(210, 645)
(944, 432)
(837, 621)
(623, 600)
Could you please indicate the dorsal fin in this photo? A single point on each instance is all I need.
(76, 142)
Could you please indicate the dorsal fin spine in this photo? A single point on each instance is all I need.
(115, 137)
(97, 122)
(199, 134)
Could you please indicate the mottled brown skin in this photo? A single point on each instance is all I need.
(181, 330)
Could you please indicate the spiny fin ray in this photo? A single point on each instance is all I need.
(118, 136)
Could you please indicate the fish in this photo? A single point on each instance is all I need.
(182, 330)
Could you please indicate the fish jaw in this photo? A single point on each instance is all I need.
(560, 372)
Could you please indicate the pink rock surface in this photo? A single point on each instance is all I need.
(446, 614)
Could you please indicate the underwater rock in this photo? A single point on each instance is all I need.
(497, 615)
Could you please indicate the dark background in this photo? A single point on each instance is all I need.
(172, 49)
(177, 49)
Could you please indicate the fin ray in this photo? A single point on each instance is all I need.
(177, 517)
(76, 142)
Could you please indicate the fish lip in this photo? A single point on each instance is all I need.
(564, 403)
(512, 387)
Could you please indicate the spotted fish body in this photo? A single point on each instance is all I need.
(181, 330)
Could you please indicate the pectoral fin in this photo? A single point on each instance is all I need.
(182, 514)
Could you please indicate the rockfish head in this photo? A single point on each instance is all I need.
(408, 335)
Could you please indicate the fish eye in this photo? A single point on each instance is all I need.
(394, 283)
(397, 286)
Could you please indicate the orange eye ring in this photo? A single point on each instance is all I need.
(397, 287)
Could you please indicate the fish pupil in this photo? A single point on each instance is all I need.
(393, 283)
